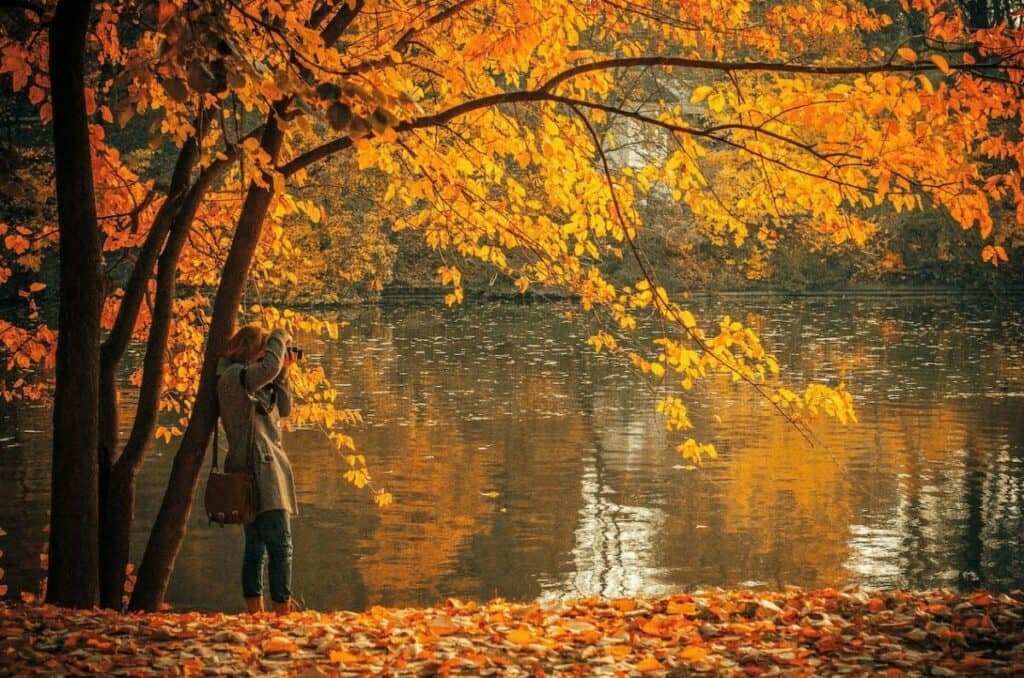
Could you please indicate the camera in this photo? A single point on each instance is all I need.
(296, 352)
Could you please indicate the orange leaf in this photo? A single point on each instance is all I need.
(652, 628)
(279, 644)
(876, 604)
(649, 664)
(942, 64)
(165, 11)
(623, 604)
(688, 609)
(981, 599)
(974, 662)
(907, 54)
(618, 651)
(17, 244)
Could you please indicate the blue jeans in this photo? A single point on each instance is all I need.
(270, 534)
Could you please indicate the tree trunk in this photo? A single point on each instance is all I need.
(119, 503)
(118, 509)
(172, 520)
(73, 572)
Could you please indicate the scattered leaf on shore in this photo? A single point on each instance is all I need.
(795, 632)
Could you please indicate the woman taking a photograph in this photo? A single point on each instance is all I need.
(252, 390)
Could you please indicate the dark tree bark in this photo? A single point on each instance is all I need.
(73, 572)
(172, 520)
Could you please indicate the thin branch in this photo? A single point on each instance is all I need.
(669, 310)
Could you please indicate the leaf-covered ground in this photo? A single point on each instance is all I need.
(795, 632)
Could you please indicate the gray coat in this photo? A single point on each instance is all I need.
(273, 470)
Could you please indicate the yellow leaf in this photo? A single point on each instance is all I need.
(700, 94)
(694, 653)
(907, 54)
(520, 637)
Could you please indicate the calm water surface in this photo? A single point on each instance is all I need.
(523, 465)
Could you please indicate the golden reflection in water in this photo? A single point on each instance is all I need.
(523, 465)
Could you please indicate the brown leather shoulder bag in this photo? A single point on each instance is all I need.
(233, 498)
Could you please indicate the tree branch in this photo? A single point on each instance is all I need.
(764, 66)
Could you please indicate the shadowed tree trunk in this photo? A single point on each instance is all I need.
(73, 572)
(172, 520)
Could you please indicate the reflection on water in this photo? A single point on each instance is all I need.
(524, 465)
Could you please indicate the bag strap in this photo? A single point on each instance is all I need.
(250, 461)
(216, 444)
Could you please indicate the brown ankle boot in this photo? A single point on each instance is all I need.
(254, 605)
(291, 605)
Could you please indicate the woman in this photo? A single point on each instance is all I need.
(252, 389)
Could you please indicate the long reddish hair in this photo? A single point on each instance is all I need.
(246, 344)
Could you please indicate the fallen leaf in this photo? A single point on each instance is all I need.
(649, 664)
(694, 653)
(279, 644)
(343, 657)
(981, 599)
(520, 637)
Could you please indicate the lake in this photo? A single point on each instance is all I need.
(524, 465)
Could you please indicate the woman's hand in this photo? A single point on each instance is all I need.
(289, 359)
